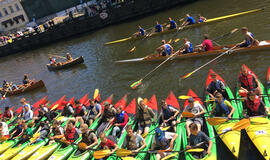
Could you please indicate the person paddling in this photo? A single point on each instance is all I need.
(57, 131)
(52, 61)
(222, 107)
(26, 134)
(88, 137)
(165, 49)
(71, 132)
(163, 141)
(201, 19)
(206, 45)
(69, 57)
(158, 27)
(196, 138)
(172, 25)
(8, 114)
(248, 82)
(4, 129)
(254, 106)
(169, 115)
(94, 112)
(216, 86)
(27, 81)
(106, 143)
(18, 129)
(187, 47)
(249, 39)
(133, 141)
(144, 116)
(68, 110)
(107, 117)
(140, 33)
(190, 20)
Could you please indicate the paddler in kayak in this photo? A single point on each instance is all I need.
(196, 109)
(248, 82)
(27, 133)
(249, 39)
(196, 138)
(163, 141)
(27, 114)
(107, 117)
(158, 27)
(69, 57)
(172, 25)
(169, 115)
(187, 48)
(9, 86)
(106, 143)
(254, 106)
(133, 141)
(71, 132)
(68, 110)
(222, 107)
(52, 61)
(57, 131)
(190, 20)
(80, 112)
(216, 86)
(119, 122)
(206, 45)
(201, 19)
(89, 139)
(18, 129)
(44, 131)
(95, 111)
(27, 81)
(4, 133)
(165, 49)
(8, 114)
(140, 33)
(144, 116)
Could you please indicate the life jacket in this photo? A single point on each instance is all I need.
(163, 143)
(86, 137)
(254, 106)
(71, 135)
(131, 142)
(215, 86)
(144, 114)
(247, 81)
(167, 49)
(94, 110)
(120, 117)
(66, 111)
(7, 114)
(222, 109)
(79, 110)
(167, 113)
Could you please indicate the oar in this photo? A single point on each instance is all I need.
(4, 96)
(226, 52)
(224, 35)
(57, 56)
(101, 153)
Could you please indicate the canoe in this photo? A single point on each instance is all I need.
(23, 89)
(258, 133)
(132, 38)
(172, 100)
(230, 139)
(206, 128)
(264, 45)
(75, 61)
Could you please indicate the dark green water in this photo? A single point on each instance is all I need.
(100, 71)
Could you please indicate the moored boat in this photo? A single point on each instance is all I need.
(230, 139)
(67, 64)
(258, 133)
(264, 45)
(132, 38)
(23, 88)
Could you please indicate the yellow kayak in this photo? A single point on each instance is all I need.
(11, 152)
(259, 133)
(186, 27)
(45, 151)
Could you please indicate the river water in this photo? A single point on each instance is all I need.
(100, 70)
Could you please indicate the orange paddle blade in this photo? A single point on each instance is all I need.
(188, 114)
(132, 49)
(244, 123)
(216, 120)
(102, 153)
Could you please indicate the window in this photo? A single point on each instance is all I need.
(11, 9)
(1, 14)
(5, 10)
(17, 7)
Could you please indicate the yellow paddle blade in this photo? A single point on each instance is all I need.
(184, 97)
(2, 139)
(123, 152)
(132, 49)
(244, 123)
(216, 120)
(60, 118)
(170, 41)
(176, 40)
(35, 136)
(258, 120)
(136, 84)
(165, 128)
(54, 107)
(96, 93)
(82, 146)
(128, 158)
(101, 153)
(195, 150)
(210, 100)
(188, 114)
(169, 156)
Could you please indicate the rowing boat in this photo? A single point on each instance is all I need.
(23, 88)
(230, 139)
(132, 38)
(75, 61)
(207, 128)
(259, 133)
(264, 45)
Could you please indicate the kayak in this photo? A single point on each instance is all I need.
(206, 128)
(172, 100)
(259, 133)
(147, 35)
(263, 45)
(230, 139)
(11, 152)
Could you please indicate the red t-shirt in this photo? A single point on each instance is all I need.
(109, 144)
(208, 45)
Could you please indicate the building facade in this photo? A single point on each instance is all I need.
(12, 15)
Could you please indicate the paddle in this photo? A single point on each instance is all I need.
(219, 120)
(57, 56)
(226, 52)
(102, 153)
(4, 95)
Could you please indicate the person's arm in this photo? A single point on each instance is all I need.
(209, 147)
(99, 113)
(176, 112)
(257, 81)
(232, 108)
(11, 115)
(244, 112)
(201, 111)
(93, 144)
(173, 139)
(84, 111)
(115, 148)
(161, 28)
(152, 114)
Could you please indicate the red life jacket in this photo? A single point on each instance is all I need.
(254, 105)
(247, 81)
(7, 114)
(70, 134)
(79, 109)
